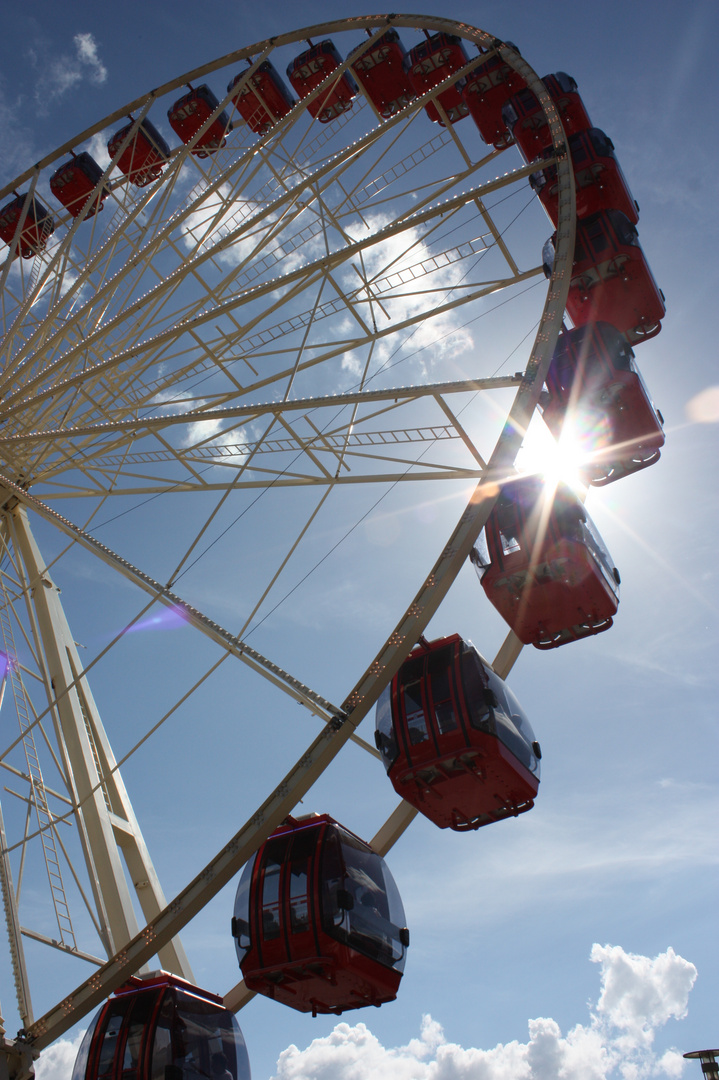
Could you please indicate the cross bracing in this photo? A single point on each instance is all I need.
(317, 311)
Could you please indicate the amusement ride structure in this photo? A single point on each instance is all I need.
(209, 320)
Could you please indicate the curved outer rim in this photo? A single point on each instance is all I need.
(412, 624)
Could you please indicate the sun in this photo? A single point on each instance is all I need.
(557, 461)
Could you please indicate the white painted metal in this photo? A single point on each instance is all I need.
(97, 790)
(112, 365)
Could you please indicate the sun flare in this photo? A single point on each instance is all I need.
(558, 461)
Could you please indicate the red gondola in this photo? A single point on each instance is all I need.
(486, 90)
(191, 111)
(611, 280)
(162, 1028)
(596, 391)
(599, 180)
(75, 181)
(37, 228)
(318, 923)
(144, 157)
(524, 116)
(429, 64)
(454, 739)
(262, 99)
(381, 70)
(311, 68)
(545, 568)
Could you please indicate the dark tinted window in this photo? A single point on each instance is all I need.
(242, 910)
(512, 726)
(272, 868)
(303, 846)
(360, 902)
(80, 1067)
(439, 666)
(473, 678)
(384, 729)
(414, 713)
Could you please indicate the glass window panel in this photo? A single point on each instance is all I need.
(303, 846)
(479, 714)
(207, 1041)
(442, 698)
(140, 1016)
(377, 916)
(414, 712)
(512, 726)
(109, 1039)
(80, 1066)
(384, 729)
(242, 906)
(272, 868)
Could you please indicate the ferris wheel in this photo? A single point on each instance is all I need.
(264, 323)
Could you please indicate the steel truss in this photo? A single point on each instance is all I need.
(232, 331)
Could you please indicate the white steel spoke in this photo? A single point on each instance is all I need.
(282, 336)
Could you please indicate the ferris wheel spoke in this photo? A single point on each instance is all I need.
(197, 337)
(85, 446)
(14, 406)
(68, 358)
(161, 593)
(236, 234)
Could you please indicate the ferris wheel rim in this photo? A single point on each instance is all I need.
(330, 26)
(455, 551)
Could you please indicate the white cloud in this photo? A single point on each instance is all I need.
(638, 995)
(219, 214)
(57, 1061)
(402, 296)
(17, 141)
(86, 47)
(58, 75)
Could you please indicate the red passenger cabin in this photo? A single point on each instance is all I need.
(486, 91)
(37, 227)
(597, 396)
(308, 70)
(611, 280)
(318, 923)
(454, 739)
(599, 180)
(190, 112)
(429, 64)
(160, 1027)
(545, 567)
(261, 99)
(381, 70)
(145, 155)
(75, 181)
(524, 116)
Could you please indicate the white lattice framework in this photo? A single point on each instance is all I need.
(229, 331)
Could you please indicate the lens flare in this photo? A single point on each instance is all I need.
(166, 618)
(557, 461)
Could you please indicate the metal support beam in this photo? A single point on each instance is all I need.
(98, 789)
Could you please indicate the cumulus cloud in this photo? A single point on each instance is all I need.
(392, 268)
(58, 75)
(638, 995)
(57, 1061)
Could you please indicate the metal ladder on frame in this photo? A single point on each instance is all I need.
(38, 795)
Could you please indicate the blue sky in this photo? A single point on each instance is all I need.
(590, 911)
